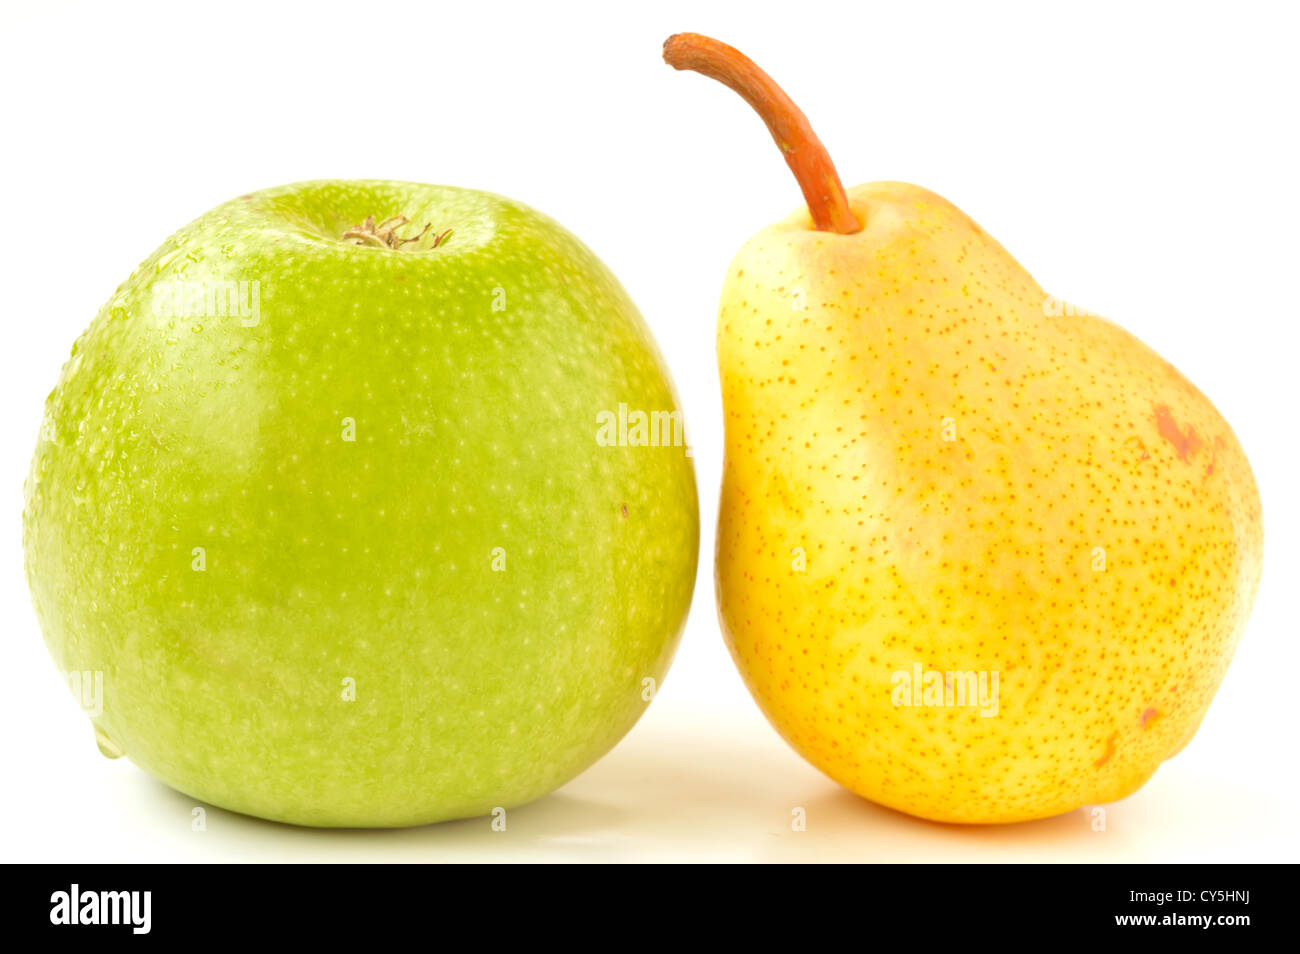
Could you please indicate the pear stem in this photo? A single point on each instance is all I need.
(803, 151)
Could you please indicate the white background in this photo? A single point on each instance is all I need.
(1139, 160)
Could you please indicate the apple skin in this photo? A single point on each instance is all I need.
(493, 586)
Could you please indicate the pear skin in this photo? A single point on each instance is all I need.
(980, 557)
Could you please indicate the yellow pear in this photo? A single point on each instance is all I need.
(981, 556)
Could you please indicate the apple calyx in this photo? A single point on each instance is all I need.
(384, 234)
(803, 151)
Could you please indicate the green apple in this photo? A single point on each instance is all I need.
(329, 498)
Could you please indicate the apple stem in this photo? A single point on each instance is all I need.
(384, 234)
(803, 151)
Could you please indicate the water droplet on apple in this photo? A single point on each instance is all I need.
(107, 747)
